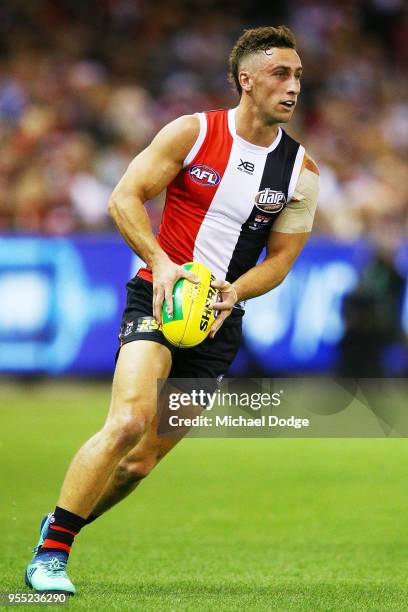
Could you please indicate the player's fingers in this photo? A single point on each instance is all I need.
(218, 306)
(158, 303)
(220, 284)
(225, 299)
(168, 296)
(190, 276)
(218, 323)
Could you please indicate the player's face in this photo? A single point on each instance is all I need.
(273, 83)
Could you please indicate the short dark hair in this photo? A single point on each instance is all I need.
(257, 39)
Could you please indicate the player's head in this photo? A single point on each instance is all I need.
(265, 68)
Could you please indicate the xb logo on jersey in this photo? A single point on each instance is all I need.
(269, 200)
(246, 166)
(204, 175)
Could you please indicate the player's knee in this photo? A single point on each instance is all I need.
(126, 431)
(130, 417)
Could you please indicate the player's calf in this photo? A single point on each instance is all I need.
(126, 477)
(131, 471)
(133, 468)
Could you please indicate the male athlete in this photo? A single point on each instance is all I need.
(236, 183)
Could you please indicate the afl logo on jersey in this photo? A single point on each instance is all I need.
(269, 200)
(204, 175)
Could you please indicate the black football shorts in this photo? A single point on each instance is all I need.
(210, 359)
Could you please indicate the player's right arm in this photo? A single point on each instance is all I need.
(148, 175)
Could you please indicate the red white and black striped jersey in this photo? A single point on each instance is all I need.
(221, 206)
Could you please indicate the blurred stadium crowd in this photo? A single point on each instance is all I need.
(84, 87)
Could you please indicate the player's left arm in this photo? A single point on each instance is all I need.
(290, 234)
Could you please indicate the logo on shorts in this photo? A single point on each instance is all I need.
(269, 200)
(204, 175)
(147, 324)
(128, 329)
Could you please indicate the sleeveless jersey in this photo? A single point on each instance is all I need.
(221, 206)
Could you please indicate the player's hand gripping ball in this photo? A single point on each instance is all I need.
(192, 315)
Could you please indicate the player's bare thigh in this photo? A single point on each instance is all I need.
(134, 390)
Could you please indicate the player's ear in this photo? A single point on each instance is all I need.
(245, 80)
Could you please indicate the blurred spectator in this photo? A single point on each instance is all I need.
(84, 87)
(373, 344)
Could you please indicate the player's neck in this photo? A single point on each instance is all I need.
(250, 127)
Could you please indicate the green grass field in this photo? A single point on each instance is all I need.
(220, 525)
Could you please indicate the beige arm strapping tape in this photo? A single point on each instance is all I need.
(298, 214)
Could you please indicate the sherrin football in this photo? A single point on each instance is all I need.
(192, 317)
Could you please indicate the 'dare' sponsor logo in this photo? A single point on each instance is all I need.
(269, 200)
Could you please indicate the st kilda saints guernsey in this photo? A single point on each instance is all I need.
(229, 195)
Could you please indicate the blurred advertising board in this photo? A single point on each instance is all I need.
(61, 301)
